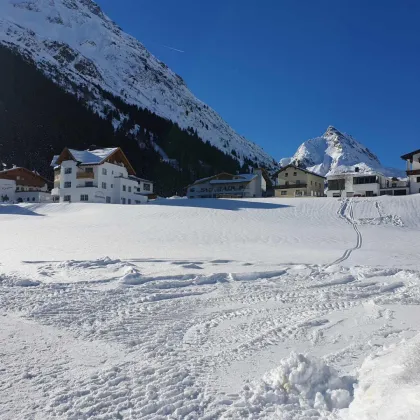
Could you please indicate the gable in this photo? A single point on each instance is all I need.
(118, 157)
(25, 177)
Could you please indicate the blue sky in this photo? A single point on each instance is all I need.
(279, 72)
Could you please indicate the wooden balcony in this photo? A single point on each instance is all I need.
(413, 172)
(85, 175)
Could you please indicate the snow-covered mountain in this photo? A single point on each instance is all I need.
(337, 152)
(75, 44)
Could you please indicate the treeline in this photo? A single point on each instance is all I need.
(38, 119)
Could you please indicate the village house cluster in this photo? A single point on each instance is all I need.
(91, 176)
(106, 176)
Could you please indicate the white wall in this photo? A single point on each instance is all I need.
(33, 197)
(108, 181)
(350, 187)
(7, 189)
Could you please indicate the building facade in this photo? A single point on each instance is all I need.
(413, 170)
(98, 176)
(292, 181)
(23, 186)
(225, 185)
(372, 184)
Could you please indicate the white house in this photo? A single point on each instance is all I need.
(413, 170)
(22, 185)
(362, 184)
(98, 176)
(226, 185)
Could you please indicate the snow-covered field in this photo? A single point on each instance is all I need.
(203, 309)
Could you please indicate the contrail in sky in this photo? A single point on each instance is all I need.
(173, 49)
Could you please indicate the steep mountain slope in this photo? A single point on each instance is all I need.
(38, 119)
(82, 50)
(336, 152)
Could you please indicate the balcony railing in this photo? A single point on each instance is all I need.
(414, 172)
(85, 175)
(285, 187)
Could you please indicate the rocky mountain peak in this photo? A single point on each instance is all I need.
(336, 152)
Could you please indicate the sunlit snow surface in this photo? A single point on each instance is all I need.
(205, 309)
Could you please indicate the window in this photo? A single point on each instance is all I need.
(286, 174)
(67, 198)
(123, 200)
(112, 185)
(121, 174)
(129, 189)
(68, 170)
(104, 185)
(297, 182)
(27, 199)
(192, 189)
(88, 184)
(112, 172)
(84, 197)
(18, 177)
(67, 185)
(124, 188)
(283, 193)
(312, 182)
(89, 170)
(287, 182)
(294, 173)
(365, 180)
(33, 198)
(129, 201)
(336, 184)
(108, 200)
(146, 187)
(104, 171)
(418, 179)
(138, 202)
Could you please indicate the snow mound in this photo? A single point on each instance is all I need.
(300, 387)
(389, 385)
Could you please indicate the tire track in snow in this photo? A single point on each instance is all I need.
(346, 212)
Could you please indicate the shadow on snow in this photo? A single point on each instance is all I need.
(18, 210)
(218, 204)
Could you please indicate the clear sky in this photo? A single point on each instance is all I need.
(279, 72)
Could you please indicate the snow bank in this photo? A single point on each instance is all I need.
(389, 385)
(300, 386)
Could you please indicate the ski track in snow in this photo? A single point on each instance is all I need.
(195, 337)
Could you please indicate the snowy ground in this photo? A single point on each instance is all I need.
(290, 309)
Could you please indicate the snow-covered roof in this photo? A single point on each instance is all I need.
(241, 178)
(91, 157)
(234, 178)
(54, 161)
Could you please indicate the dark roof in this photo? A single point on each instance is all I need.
(410, 155)
(297, 167)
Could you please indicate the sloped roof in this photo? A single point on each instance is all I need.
(299, 168)
(91, 157)
(229, 178)
(410, 155)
